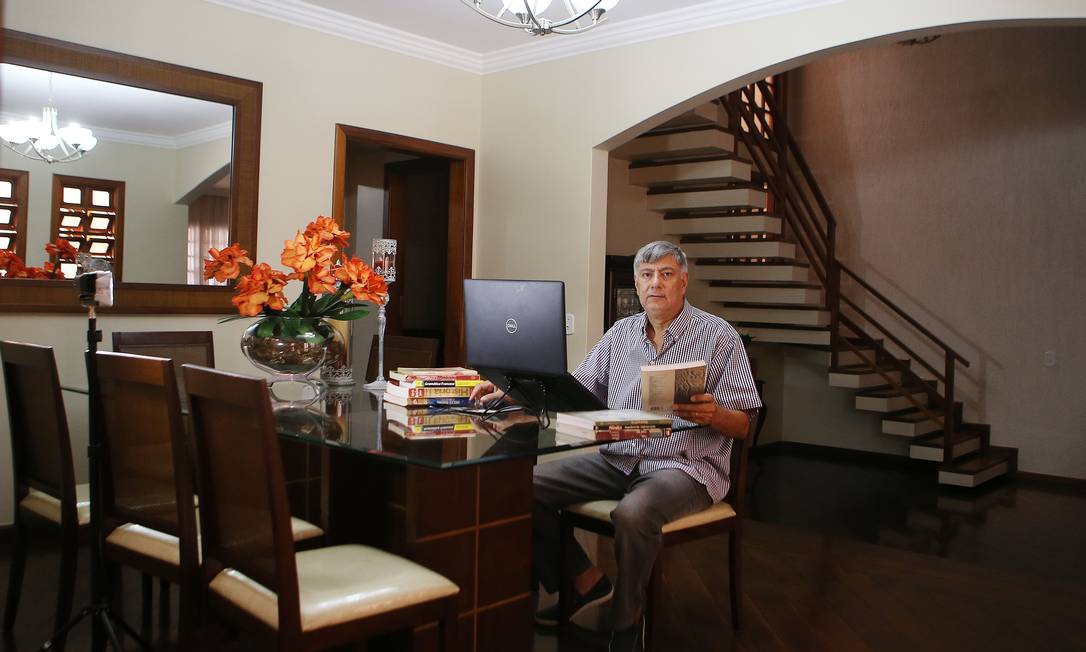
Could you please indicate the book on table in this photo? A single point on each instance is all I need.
(433, 374)
(612, 425)
(432, 432)
(664, 385)
(407, 391)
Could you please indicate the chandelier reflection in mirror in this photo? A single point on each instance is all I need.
(44, 140)
(562, 17)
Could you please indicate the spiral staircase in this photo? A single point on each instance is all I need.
(732, 187)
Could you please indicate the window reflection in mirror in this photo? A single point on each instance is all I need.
(170, 154)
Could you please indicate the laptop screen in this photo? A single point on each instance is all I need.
(516, 326)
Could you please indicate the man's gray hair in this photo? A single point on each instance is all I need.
(654, 251)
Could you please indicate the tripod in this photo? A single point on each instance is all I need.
(98, 611)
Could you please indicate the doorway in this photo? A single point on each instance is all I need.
(421, 194)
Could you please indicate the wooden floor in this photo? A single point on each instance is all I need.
(843, 557)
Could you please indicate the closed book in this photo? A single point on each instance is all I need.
(614, 433)
(436, 382)
(432, 373)
(662, 386)
(605, 418)
(440, 401)
(427, 392)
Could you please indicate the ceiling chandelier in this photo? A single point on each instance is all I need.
(44, 141)
(528, 15)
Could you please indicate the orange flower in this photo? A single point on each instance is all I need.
(262, 286)
(365, 285)
(226, 264)
(11, 265)
(62, 249)
(321, 280)
(329, 232)
(304, 253)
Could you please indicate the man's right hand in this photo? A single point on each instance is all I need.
(485, 392)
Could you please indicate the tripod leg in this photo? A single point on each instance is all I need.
(102, 618)
(15, 575)
(69, 557)
(127, 629)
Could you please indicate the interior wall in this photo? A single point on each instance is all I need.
(540, 210)
(196, 163)
(311, 81)
(151, 215)
(956, 173)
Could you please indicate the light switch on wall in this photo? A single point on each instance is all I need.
(1050, 356)
(569, 323)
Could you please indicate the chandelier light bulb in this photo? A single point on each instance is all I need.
(44, 141)
(580, 15)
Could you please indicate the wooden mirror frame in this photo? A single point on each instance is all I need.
(19, 295)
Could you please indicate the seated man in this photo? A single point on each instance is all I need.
(655, 480)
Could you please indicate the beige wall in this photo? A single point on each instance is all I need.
(541, 201)
(195, 164)
(311, 82)
(956, 172)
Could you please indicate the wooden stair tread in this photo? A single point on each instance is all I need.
(861, 369)
(935, 439)
(771, 306)
(889, 391)
(779, 327)
(776, 263)
(703, 158)
(766, 284)
(708, 187)
(982, 462)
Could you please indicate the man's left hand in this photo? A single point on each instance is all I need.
(700, 410)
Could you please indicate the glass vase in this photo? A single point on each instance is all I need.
(290, 349)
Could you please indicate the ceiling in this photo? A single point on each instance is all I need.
(454, 23)
(450, 33)
(113, 111)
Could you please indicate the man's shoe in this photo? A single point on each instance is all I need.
(628, 640)
(600, 592)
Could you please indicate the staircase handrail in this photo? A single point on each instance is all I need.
(822, 249)
(904, 315)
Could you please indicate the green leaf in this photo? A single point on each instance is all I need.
(348, 315)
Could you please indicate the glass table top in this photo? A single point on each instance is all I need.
(355, 419)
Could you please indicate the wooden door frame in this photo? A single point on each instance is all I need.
(461, 213)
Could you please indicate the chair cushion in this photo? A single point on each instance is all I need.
(337, 585)
(601, 511)
(48, 507)
(164, 547)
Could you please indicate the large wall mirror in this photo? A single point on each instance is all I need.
(174, 172)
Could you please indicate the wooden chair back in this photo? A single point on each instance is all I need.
(403, 351)
(149, 470)
(183, 347)
(40, 444)
(244, 518)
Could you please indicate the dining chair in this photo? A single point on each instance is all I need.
(148, 510)
(403, 351)
(43, 473)
(309, 600)
(725, 517)
(183, 347)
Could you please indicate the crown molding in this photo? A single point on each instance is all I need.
(180, 141)
(707, 15)
(356, 29)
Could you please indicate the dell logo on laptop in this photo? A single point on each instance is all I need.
(510, 326)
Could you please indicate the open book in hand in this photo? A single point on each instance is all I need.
(664, 385)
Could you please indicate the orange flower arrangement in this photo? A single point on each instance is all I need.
(334, 286)
(13, 267)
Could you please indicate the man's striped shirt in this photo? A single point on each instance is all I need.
(612, 371)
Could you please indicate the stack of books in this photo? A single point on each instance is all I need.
(421, 388)
(427, 424)
(612, 425)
